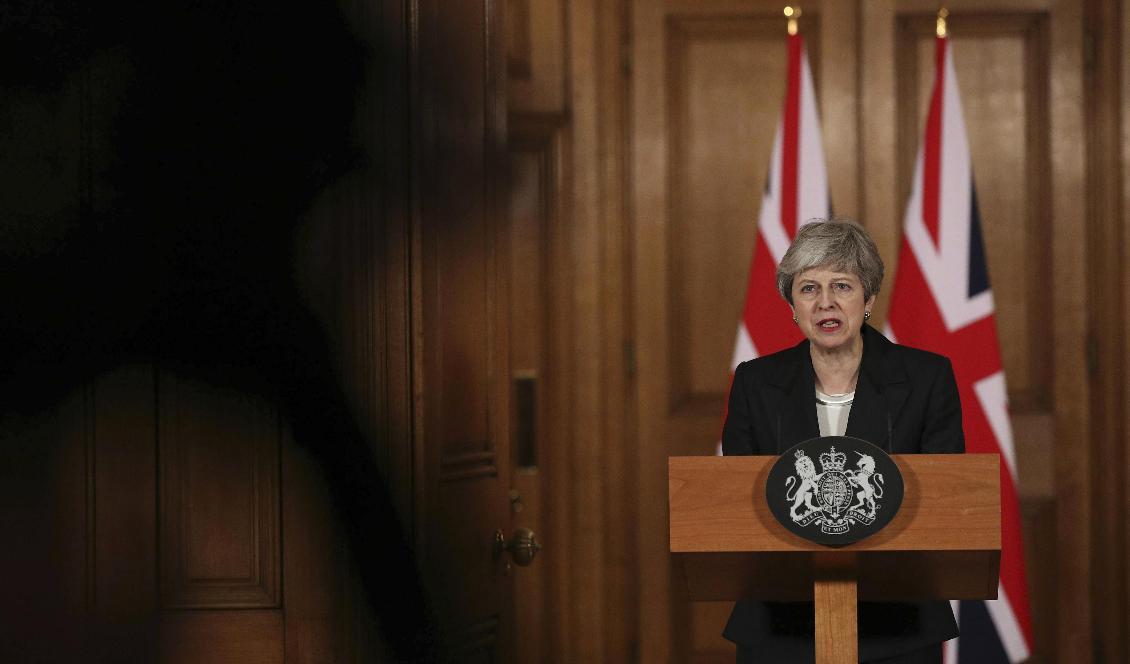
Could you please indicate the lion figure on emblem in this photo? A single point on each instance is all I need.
(803, 494)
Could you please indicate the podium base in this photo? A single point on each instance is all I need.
(837, 639)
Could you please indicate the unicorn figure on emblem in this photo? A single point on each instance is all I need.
(868, 492)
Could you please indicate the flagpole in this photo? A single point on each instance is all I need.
(792, 13)
(941, 27)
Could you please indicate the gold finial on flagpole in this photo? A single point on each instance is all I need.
(792, 13)
(942, 14)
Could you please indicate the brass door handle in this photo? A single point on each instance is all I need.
(523, 546)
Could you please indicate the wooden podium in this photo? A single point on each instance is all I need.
(944, 543)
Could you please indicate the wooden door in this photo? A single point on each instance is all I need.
(535, 278)
(156, 505)
(464, 421)
(707, 85)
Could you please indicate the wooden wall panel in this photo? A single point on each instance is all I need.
(881, 209)
(125, 515)
(724, 90)
(1002, 71)
(354, 253)
(44, 480)
(219, 497)
(478, 643)
(1121, 342)
(459, 243)
(1107, 230)
(461, 345)
(1071, 394)
(326, 618)
(222, 637)
(535, 191)
(536, 56)
(601, 590)
(519, 38)
(839, 101)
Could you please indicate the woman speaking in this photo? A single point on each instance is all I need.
(844, 379)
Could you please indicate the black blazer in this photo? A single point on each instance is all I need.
(906, 402)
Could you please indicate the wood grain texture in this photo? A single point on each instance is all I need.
(836, 628)
(48, 552)
(535, 199)
(597, 469)
(354, 254)
(839, 100)
(316, 567)
(1123, 349)
(952, 503)
(518, 40)
(542, 85)
(458, 211)
(542, 333)
(724, 82)
(477, 643)
(461, 344)
(1106, 229)
(880, 207)
(1071, 386)
(219, 497)
(650, 334)
(222, 637)
(125, 514)
(944, 542)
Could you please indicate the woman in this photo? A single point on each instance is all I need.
(845, 378)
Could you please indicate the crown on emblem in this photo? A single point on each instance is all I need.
(832, 460)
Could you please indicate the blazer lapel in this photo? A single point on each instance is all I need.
(868, 418)
(880, 392)
(797, 414)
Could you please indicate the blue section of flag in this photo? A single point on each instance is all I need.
(978, 270)
(979, 643)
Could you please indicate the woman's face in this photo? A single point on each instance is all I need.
(829, 307)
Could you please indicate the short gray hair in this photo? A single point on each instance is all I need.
(837, 244)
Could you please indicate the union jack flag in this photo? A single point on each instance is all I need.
(796, 191)
(942, 302)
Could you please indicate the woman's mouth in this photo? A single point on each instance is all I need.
(829, 324)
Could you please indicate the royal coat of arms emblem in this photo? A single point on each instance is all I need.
(850, 490)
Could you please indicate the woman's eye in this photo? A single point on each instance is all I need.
(807, 288)
(840, 286)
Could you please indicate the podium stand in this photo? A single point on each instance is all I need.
(944, 543)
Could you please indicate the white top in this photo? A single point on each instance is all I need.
(832, 412)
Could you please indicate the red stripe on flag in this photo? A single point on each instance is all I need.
(767, 317)
(932, 152)
(917, 321)
(791, 140)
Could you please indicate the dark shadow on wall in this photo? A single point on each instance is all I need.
(213, 127)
